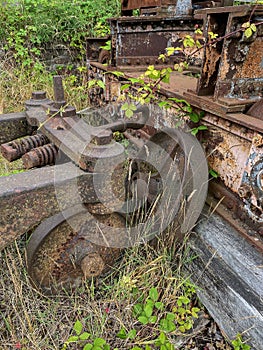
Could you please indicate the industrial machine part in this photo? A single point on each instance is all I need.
(89, 200)
(228, 89)
(225, 81)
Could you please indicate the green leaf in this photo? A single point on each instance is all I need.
(88, 347)
(183, 300)
(99, 342)
(84, 336)
(152, 319)
(162, 57)
(182, 329)
(122, 334)
(171, 326)
(253, 27)
(125, 86)
(170, 316)
(91, 83)
(150, 302)
(148, 310)
(135, 80)
(162, 338)
(246, 25)
(195, 310)
(72, 339)
(116, 73)
(125, 106)
(143, 319)
(153, 294)
(101, 84)
(164, 324)
(214, 174)
(248, 32)
(159, 305)
(147, 347)
(170, 51)
(129, 113)
(132, 334)
(166, 78)
(202, 127)
(194, 117)
(78, 327)
(107, 46)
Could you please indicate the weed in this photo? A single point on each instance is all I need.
(239, 344)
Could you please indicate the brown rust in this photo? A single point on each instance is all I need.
(40, 156)
(13, 126)
(61, 252)
(252, 66)
(16, 148)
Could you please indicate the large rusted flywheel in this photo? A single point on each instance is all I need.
(60, 253)
(166, 184)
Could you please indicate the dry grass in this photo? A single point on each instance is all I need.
(17, 84)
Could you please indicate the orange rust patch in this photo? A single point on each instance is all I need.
(252, 67)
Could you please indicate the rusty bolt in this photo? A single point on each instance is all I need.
(260, 230)
(244, 191)
(228, 123)
(103, 137)
(92, 265)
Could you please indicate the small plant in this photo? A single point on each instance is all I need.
(144, 311)
(239, 344)
(80, 338)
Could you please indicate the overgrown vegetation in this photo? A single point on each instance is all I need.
(28, 26)
(112, 310)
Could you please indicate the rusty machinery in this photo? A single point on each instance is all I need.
(89, 201)
(229, 89)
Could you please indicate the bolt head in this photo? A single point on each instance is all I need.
(103, 137)
(92, 265)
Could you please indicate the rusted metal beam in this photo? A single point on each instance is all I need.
(13, 125)
(27, 198)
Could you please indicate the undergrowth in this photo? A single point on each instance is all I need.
(17, 85)
(106, 307)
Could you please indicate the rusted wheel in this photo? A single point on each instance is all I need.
(60, 256)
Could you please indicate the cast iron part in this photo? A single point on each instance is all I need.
(40, 156)
(60, 253)
(15, 149)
